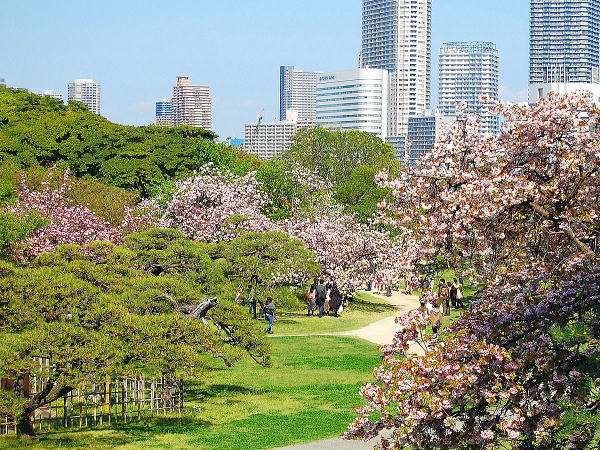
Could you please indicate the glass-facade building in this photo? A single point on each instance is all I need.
(164, 113)
(424, 132)
(564, 41)
(298, 92)
(396, 36)
(354, 100)
(469, 71)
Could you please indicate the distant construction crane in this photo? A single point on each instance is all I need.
(260, 117)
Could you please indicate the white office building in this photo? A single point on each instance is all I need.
(396, 36)
(51, 94)
(470, 71)
(267, 140)
(354, 100)
(298, 92)
(538, 91)
(85, 91)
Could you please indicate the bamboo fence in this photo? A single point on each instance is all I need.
(119, 400)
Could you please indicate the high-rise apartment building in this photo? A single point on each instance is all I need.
(191, 105)
(564, 41)
(564, 47)
(354, 100)
(468, 72)
(51, 94)
(425, 131)
(298, 92)
(396, 36)
(85, 91)
(164, 113)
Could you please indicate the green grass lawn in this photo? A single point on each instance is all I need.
(307, 395)
(362, 311)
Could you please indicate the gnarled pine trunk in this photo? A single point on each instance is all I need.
(51, 392)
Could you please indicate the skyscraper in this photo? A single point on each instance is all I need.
(191, 105)
(564, 47)
(469, 71)
(297, 91)
(87, 92)
(564, 39)
(396, 35)
(2, 82)
(164, 113)
(424, 132)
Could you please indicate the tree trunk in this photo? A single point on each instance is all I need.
(51, 392)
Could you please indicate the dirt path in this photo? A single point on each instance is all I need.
(380, 333)
(383, 332)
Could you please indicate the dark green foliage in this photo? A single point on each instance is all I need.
(285, 193)
(14, 228)
(42, 131)
(359, 193)
(255, 264)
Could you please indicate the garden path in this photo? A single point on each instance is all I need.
(381, 333)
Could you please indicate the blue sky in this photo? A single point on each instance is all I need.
(136, 48)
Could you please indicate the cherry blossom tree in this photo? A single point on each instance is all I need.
(214, 206)
(351, 253)
(522, 210)
(69, 223)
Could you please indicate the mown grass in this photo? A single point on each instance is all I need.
(306, 396)
(363, 310)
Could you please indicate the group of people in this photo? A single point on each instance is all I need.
(449, 295)
(326, 298)
(382, 287)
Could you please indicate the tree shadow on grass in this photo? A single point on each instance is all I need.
(202, 393)
(133, 433)
(355, 305)
(358, 304)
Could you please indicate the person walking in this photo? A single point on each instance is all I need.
(459, 292)
(269, 310)
(454, 294)
(433, 307)
(311, 299)
(326, 305)
(252, 301)
(321, 294)
(444, 295)
(336, 300)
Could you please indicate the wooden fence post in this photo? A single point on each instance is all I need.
(124, 399)
(181, 393)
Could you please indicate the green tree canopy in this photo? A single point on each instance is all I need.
(334, 154)
(103, 309)
(42, 131)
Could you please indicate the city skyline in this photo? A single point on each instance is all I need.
(243, 80)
